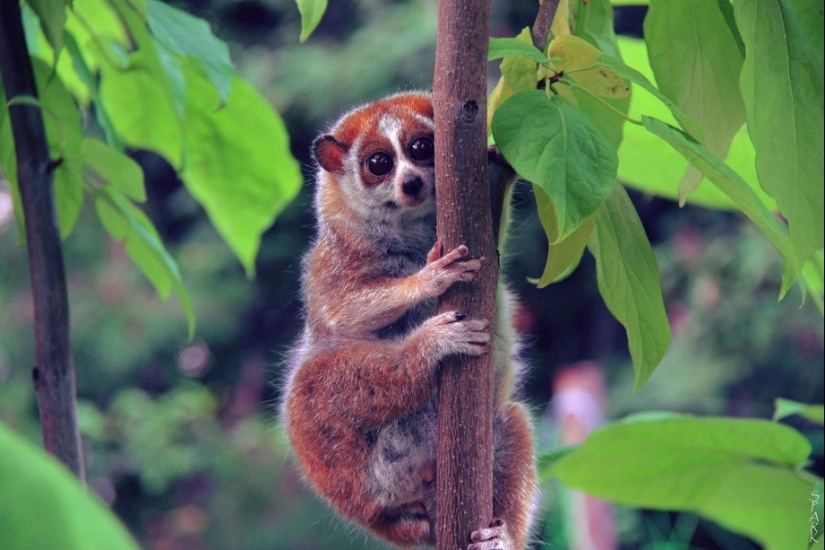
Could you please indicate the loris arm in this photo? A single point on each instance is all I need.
(376, 303)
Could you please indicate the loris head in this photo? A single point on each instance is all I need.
(378, 159)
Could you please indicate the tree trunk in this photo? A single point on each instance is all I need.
(465, 407)
(53, 372)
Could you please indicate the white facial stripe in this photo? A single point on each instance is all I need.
(390, 127)
(424, 120)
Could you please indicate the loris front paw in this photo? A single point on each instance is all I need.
(494, 537)
(452, 332)
(442, 271)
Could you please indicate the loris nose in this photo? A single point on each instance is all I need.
(412, 185)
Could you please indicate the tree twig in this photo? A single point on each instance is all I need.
(53, 374)
(544, 19)
(465, 408)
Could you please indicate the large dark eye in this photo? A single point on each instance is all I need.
(422, 149)
(380, 164)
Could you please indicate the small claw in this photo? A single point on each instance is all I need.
(460, 316)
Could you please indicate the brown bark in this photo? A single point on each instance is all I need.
(465, 415)
(53, 372)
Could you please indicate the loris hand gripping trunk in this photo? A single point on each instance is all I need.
(359, 401)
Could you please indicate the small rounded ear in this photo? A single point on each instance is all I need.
(329, 153)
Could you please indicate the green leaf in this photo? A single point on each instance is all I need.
(813, 273)
(185, 35)
(503, 47)
(697, 65)
(782, 85)
(64, 134)
(652, 166)
(736, 472)
(732, 185)
(52, 15)
(127, 223)
(594, 23)
(785, 407)
(520, 72)
(810, 14)
(546, 460)
(115, 168)
(628, 280)
(551, 143)
(138, 102)
(564, 256)
(238, 165)
(311, 13)
(138, 97)
(33, 482)
(635, 76)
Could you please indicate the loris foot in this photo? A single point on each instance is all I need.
(494, 537)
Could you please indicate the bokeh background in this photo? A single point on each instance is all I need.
(181, 437)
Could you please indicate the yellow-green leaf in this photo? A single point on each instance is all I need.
(577, 58)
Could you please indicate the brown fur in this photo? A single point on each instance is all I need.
(358, 404)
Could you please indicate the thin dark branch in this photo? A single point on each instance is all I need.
(53, 372)
(544, 19)
(465, 404)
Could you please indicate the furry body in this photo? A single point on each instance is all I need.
(359, 401)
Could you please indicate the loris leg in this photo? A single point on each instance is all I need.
(514, 482)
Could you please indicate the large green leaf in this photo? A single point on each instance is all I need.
(628, 280)
(782, 85)
(43, 505)
(738, 473)
(729, 182)
(651, 165)
(185, 35)
(697, 65)
(238, 164)
(138, 102)
(810, 13)
(551, 143)
(127, 223)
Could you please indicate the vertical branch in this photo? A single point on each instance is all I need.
(465, 409)
(53, 372)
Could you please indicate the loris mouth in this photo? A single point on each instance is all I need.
(410, 511)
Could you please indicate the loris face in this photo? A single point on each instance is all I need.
(382, 156)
